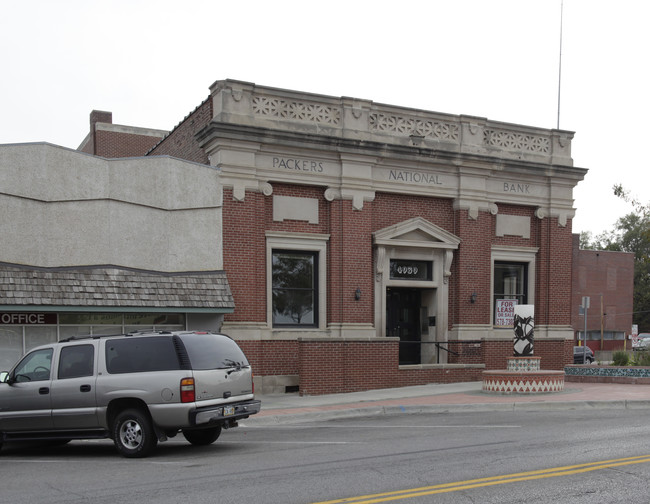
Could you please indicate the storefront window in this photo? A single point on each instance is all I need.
(90, 318)
(510, 289)
(22, 331)
(39, 335)
(295, 288)
(11, 346)
(154, 319)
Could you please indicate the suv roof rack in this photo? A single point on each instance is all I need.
(89, 336)
(147, 331)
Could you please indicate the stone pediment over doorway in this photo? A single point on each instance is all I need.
(416, 232)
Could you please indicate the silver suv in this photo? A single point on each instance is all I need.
(136, 389)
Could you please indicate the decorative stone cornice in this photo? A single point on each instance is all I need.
(249, 104)
(355, 148)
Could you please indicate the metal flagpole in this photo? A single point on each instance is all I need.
(559, 83)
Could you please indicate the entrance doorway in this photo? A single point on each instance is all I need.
(403, 321)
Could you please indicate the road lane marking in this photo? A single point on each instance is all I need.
(261, 442)
(376, 427)
(490, 481)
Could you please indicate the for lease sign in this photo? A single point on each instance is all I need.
(504, 313)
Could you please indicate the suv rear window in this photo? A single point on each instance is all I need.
(137, 355)
(213, 351)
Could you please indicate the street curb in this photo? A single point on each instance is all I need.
(379, 410)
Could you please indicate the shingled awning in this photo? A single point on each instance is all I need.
(112, 289)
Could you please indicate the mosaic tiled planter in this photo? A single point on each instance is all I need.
(513, 382)
(608, 374)
(523, 376)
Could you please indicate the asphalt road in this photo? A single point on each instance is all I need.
(596, 456)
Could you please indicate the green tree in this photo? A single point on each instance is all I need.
(586, 240)
(633, 235)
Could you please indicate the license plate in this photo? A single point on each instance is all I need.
(228, 410)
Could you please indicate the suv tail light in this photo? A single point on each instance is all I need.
(187, 390)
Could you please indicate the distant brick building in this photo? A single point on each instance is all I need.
(607, 278)
(109, 140)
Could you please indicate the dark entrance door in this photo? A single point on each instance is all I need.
(403, 321)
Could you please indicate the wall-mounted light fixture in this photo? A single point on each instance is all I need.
(357, 294)
(472, 298)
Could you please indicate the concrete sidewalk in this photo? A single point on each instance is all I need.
(438, 398)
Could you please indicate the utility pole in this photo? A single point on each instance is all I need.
(602, 324)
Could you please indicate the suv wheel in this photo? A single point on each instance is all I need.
(202, 437)
(133, 433)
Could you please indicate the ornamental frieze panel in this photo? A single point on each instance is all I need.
(279, 108)
(514, 141)
(405, 125)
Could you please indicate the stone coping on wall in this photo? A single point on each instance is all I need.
(442, 366)
(607, 374)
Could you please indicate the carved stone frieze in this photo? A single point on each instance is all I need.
(414, 126)
(296, 110)
(511, 140)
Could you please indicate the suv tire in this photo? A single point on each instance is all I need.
(202, 437)
(133, 433)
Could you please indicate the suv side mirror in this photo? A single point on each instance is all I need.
(3, 376)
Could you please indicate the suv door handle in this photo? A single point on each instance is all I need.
(44, 390)
(84, 388)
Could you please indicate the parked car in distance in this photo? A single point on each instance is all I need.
(642, 342)
(136, 389)
(579, 354)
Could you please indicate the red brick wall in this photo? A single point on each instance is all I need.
(471, 269)
(390, 209)
(115, 144)
(181, 142)
(552, 300)
(331, 367)
(244, 254)
(465, 352)
(496, 353)
(351, 262)
(555, 353)
(327, 366)
(112, 144)
(272, 357)
(412, 377)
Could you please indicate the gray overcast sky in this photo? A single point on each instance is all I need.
(151, 63)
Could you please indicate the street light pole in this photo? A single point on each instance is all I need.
(585, 306)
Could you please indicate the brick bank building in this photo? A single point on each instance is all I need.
(371, 246)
